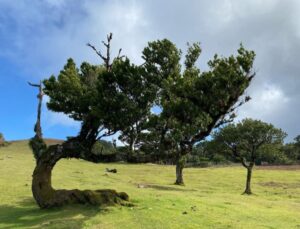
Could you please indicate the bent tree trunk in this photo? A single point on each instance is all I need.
(46, 196)
(180, 163)
(248, 181)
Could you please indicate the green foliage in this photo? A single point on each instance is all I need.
(119, 98)
(38, 146)
(105, 150)
(73, 92)
(162, 61)
(297, 141)
(129, 93)
(272, 154)
(292, 150)
(105, 101)
(2, 140)
(192, 55)
(219, 159)
(193, 103)
(252, 140)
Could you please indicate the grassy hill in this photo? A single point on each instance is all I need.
(211, 198)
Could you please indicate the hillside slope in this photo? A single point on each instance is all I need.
(211, 198)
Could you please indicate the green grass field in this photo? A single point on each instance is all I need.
(211, 198)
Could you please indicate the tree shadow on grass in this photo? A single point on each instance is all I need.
(27, 214)
(164, 188)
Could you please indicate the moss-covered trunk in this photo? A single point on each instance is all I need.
(46, 196)
(41, 184)
(47, 157)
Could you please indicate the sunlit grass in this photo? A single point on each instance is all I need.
(211, 198)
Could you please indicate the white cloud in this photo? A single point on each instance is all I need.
(266, 101)
(51, 119)
(43, 34)
(269, 103)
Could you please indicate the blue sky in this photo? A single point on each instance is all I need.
(37, 36)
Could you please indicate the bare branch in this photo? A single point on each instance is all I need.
(97, 52)
(105, 44)
(37, 126)
(106, 134)
(106, 59)
(34, 85)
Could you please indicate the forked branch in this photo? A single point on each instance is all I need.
(106, 59)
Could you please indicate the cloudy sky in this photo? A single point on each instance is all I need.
(37, 36)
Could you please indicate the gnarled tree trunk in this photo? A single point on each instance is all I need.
(79, 147)
(46, 196)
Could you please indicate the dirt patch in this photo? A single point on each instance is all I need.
(279, 167)
(280, 185)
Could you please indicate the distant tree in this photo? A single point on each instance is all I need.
(193, 103)
(272, 154)
(214, 152)
(297, 141)
(245, 141)
(292, 150)
(2, 140)
(105, 151)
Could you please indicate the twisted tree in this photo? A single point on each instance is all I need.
(193, 103)
(102, 99)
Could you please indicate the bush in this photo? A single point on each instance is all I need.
(219, 159)
(105, 151)
(2, 140)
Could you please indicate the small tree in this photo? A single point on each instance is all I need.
(245, 140)
(193, 103)
(2, 140)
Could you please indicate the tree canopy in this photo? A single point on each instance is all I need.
(117, 96)
(193, 103)
(245, 141)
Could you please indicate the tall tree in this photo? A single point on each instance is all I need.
(106, 99)
(244, 141)
(193, 103)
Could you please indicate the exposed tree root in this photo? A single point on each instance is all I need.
(105, 197)
(47, 197)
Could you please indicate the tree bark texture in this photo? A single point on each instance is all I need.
(248, 181)
(180, 163)
(46, 196)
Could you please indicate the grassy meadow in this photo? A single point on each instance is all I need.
(211, 197)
